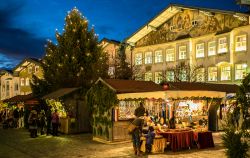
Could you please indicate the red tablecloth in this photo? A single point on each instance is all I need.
(204, 139)
(179, 140)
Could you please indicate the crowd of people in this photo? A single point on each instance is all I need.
(38, 122)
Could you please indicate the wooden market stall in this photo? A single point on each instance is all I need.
(69, 102)
(190, 102)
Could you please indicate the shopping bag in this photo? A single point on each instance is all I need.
(131, 128)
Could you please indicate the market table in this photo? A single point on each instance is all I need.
(179, 139)
(204, 139)
(158, 146)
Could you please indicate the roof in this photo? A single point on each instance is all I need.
(26, 62)
(59, 93)
(228, 88)
(19, 98)
(131, 86)
(110, 41)
(4, 71)
(167, 14)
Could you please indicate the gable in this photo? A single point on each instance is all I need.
(192, 23)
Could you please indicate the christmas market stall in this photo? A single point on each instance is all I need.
(113, 103)
(70, 104)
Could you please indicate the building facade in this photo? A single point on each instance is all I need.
(111, 47)
(214, 43)
(25, 70)
(9, 85)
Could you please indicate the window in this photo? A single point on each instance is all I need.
(182, 52)
(222, 45)
(158, 77)
(212, 74)
(170, 75)
(241, 43)
(16, 87)
(200, 76)
(183, 75)
(200, 50)
(22, 82)
(36, 68)
(211, 48)
(27, 81)
(225, 73)
(240, 71)
(148, 58)
(30, 69)
(148, 76)
(158, 56)
(138, 58)
(170, 55)
(111, 70)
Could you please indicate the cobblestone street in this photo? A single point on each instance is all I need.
(16, 143)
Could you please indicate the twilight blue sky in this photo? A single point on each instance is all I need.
(25, 25)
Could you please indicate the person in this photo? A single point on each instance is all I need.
(32, 120)
(140, 111)
(42, 121)
(55, 123)
(15, 118)
(21, 118)
(149, 139)
(48, 120)
(136, 134)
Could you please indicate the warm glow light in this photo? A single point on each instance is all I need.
(244, 65)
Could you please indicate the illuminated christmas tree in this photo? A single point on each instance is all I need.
(75, 60)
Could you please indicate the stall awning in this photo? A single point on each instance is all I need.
(59, 93)
(156, 95)
(190, 94)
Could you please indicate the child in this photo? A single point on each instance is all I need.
(149, 139)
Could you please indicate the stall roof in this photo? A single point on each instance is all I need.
(19, 98)
(228, 88)
(131, 86)
(59, 93)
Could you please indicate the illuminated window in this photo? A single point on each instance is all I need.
(212, 74)
(158, 56)
(111, 70)
(211, 48)
(30, 69)
(27, 81)
(182, 52)
(148, 58)
(22, 82)
(158, 77)
(36, 68)
(241, 43)
(222, 45)
(148, 76)
(225, 73)
(170, 75)
(200, 76)
(183, 75)
(138, 58)
(200, 50)
(240, 71)
(170, 55)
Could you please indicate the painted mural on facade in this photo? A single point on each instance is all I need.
(191, 23)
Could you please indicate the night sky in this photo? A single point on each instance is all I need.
(25, 25)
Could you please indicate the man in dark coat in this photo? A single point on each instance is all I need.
(140, 111)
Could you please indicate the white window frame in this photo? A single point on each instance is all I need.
(158, 77)
(200, 50)
(148, 58)
(211, 48)
(148, 76)
(182, 53)
(22, 80)
(36, 69)
(27, 82)
(30, 69)
(170, 75)
(240, 72)
(225, 73)
(183, 75)
(138, 59)
(170, 54)
(212, 73)
(158, 56)
(222, 45)
(241, 43)
(200, 76)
